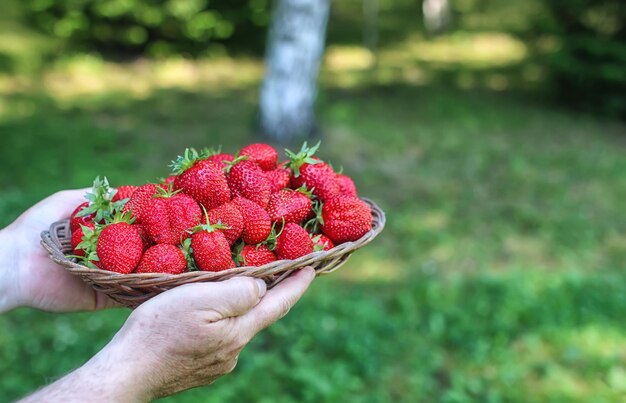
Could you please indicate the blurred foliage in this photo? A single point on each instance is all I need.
(152, 27)
(589, 67)
(580, 45)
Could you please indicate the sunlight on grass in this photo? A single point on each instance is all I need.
(365, 265)
(577, 363)
(88, 75)
(341, 58)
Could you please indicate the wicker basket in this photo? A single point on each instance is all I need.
(132, 289)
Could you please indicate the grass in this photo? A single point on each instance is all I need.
(501, 275)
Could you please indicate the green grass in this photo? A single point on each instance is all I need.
(501, 275)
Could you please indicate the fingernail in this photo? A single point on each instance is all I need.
(310, 270)
(261, 286)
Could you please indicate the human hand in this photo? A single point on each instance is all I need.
(28, 277)
(183, 338)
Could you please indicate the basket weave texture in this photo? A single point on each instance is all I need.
(133, 289)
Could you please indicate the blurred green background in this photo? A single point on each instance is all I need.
(497, 149)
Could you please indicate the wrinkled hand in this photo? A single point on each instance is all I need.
(27, 273)
(183, 338)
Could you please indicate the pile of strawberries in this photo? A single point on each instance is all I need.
(218, 211)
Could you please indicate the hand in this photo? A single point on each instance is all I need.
(28, 277)
(181, 339)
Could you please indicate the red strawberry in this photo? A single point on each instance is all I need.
(77, 237)
(229, 215)
(168, 216)
(145, 238)
(162, 258)
(221, 159)
(278, 178)
(312, 172)
(346, 185)
(77, 221)
(289, 205)
(346, 218)
(203, 180)
(293, 242)
(124, 192)
(246, 179)
(211, 251)
(257, 225)
(139, 201)
(119, 247)
(256, 255)
(322, 242)
(262, 154)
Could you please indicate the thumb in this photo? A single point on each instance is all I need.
(224, 299)
(278, 301)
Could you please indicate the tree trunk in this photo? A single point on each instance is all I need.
(294, 52)
(437, 16)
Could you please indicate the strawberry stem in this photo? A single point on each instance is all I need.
(305, 155)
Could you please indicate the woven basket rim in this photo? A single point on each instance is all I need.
(54, 245)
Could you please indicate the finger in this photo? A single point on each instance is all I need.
(278, 301)
(224, 299)
(56, 207)
(104, 302)
(62, 204)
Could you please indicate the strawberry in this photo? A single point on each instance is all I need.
(77, 238)
(76, 221)
(289, 205)
(322, 242)
(246, 179)
(345, 218)
(139, 201)
(278, 178)
(221, 159)
(210, 248)
(256, 255)
(257, 225)
(201, 179)
(124, 192)
(145, 238)
(229, 215)
(293, 242)
(162, 258)
(312, 172)
(263, 155)
(168, 216)
(119, 246)
(346, 185)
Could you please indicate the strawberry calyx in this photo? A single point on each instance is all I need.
(188, 253)
(210, 151)
(230, 164)
(207, 226)
(304, 156)
(187, 160)
(88, 245)
(317, 247)
(270, 242)
(305, 191)
(237, 254)
(314, 223)
(100, 202)
(121, 216)
(166, 191)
